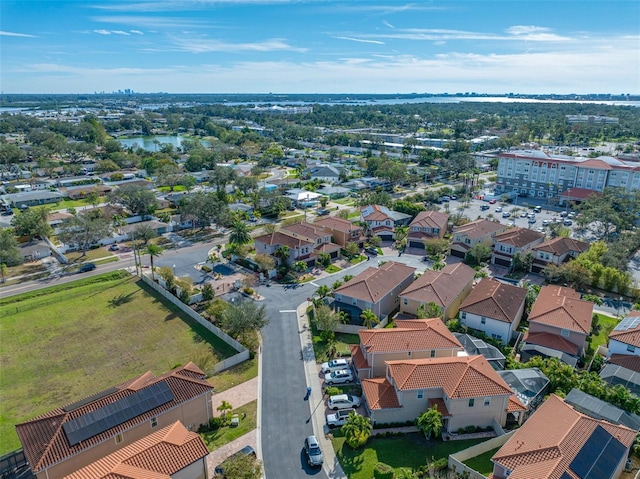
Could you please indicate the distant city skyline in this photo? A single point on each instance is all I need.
(320, 46)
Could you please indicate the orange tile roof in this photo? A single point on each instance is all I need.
(518, 237)
(440, 406)
(433, 335)
(440, 287)
(459, 377)
(380, 394)
(515, 404)
(545, 446)
(160, 454)
(561, 245)
(280, 238)
(495, 300)
(373, 284)
(561, 307)
(376, 214)
(357, 358)
(338, 224)
(430, 219)
(304, 229)
(626, 361)
(553, 341)
(479, 228)
(45, 442)
(629, 336)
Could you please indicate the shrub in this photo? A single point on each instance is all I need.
(332, 391)
(439, 465)
(207, 292)
(470, 429)
(383, 471)
(184, 296)
(249, 291)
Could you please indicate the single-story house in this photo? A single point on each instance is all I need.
(33, 198)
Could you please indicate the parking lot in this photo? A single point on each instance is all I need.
(517, 213)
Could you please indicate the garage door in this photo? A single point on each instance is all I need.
(457, 253)
(386, 237)
(415, 244)
(503, 262)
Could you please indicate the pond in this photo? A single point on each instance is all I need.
(154, 143)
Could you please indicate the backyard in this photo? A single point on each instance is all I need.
(398, 451)
(67, 342)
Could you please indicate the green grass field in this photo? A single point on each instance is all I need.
(248, 415)
(70, 341)
(482, 463)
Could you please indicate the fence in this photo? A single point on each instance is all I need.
(243, 354)
(456, 460)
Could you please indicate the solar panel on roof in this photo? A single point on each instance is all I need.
(111, 415)
(599, 457)
(90, 399)
(630, 322)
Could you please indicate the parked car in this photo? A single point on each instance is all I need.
(7, 212)
(484, 207)
(532, 220)
(323, 212)
(511, 224)
(334, 365)
(453, 197)
(537, 209)
(563, 214)
(343, 401)
(372, 250)
(499, 209)
(506, 214)
(545, 223)
(312, 451)
(338, 418)
(245, 451)
(114, 247)
(492, 202)
(86, 267)
(571, 215)
(523, 214)
(567, 222)
(338, 377)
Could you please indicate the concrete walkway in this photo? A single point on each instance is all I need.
(237, 396)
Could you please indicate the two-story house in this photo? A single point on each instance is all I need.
(560, 321)
(71, 437)
(382, 222)
(559, 442)
(375, 289)
(342, 231)
(494, 308)
(446, 288)
(466, 390)
(625, 337)
(427, 225)
(556, 251)
(303, 242)
(471, 234)
(172, 452)
(515, 240)
(415, 339)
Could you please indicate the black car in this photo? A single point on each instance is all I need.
(323, 212)
(372, 250)
(86, 267)
(484, 207)
(7, 212)
(245, 451)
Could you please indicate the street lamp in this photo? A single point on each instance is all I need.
(174, 269)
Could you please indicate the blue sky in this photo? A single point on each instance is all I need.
(320, 46)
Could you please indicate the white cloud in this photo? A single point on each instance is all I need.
(205, 46)
(526, 29)
(102, 32)
(150, 22)
(137, 32)
(14, 34)
(387, 24)
(120, 32)
(361, 40)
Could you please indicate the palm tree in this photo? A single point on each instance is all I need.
(282, 253)
(430, 422)
(153, 250)
(323, 291)
(223, 408)
(239, 233)
(357, 430)
(369, 319)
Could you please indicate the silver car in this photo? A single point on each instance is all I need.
(312, 451)
(343, 401)
(338, 377)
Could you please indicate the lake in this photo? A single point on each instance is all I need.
(154, 143)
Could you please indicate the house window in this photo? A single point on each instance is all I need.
(154, 421)
(631, 349)
(409, 353)
(483, 320)
(338, 297)
(472, 402)
(463, 315)
(565, 333)
(487, 401)
(119, 438)
(433, 353)
(420, 393)
(405, 301)
(354, 301)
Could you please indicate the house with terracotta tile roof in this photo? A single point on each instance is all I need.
(303, 240)
(558, 442)
(415, 339)
(382, 222)
(342, 231)
(625, 337)
(376, 289)
(466, 390)
(427, 225)
(513, 241)
(556, 251)
(71, 437)
(171, 452)
(559, 320)
(494, 308)
(447, 288)
(469, 235)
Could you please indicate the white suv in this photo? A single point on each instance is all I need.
(343, 401)
(334, 365)
(338, 377)
(338, 418)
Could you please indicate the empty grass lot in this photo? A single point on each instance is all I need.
(69, 341)
(399, 451)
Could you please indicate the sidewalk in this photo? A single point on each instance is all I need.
(331, 465)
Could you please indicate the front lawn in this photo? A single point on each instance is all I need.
(358, 259)
(606, 325)
(90, 255)
(343, 341)
(67, 342)
(332, 268)
(235, 375)
(398, 451)
(247, 414)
